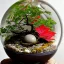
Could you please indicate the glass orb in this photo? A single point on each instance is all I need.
(35, 57)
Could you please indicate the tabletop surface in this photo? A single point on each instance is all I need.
(58, 5)
(9, 61)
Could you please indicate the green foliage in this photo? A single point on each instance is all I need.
(3, 30)
(48, 12)
(48, 22)
(10, 28)
(19, 11)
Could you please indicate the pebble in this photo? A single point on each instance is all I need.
(27, 50)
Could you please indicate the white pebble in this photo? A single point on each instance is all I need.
(30, 38)
(27, 50)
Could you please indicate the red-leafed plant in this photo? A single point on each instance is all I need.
(45, 32)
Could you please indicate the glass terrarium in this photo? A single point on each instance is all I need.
(31, 31)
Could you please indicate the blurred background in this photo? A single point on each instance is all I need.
(58, 5)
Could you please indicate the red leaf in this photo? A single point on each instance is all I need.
(35, 20)
(38, 17)
(45, 32)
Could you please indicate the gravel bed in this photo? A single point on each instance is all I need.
(38, 48)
